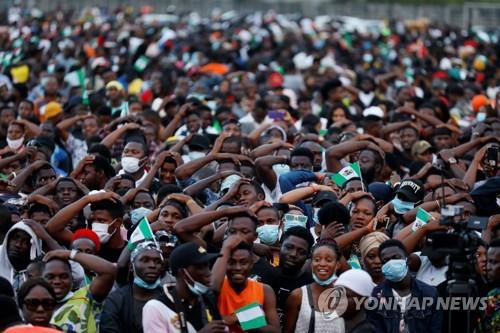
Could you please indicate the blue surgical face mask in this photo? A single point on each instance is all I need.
(268, 233)
(137, 214)
(326, 282)
(195, 287)
(395, 270)
(144, 285)
(481, 116)
(402, 207)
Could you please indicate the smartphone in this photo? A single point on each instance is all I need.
(492, 156)
(477, 222)
(276, 115)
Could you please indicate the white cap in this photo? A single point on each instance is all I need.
(373, 111)
(357, 280)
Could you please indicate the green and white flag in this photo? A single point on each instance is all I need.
(141, 233)
(251, 317)
(76, 78)
(141, 63)
(423, 218)
(85, 97)
(349, 172)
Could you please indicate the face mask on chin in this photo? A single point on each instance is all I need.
(15, 144)
(195, 287)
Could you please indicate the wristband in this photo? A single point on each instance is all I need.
(72, 254)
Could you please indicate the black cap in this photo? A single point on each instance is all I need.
(412, 189)
(189, 254)
(200, 142)
(322, 197)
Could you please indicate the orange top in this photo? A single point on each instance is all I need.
(229, 301)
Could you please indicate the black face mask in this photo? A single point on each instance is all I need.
(121, 192)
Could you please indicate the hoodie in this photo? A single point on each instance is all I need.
(6, 269)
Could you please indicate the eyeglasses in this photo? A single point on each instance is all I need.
(47, 304)
(295, 218)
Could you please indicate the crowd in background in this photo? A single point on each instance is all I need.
(172, 172)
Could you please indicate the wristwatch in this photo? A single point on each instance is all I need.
(452, 160)
(72, 254)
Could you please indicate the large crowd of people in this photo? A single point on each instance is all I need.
(181, 173)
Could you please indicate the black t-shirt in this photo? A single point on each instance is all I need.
(364, 327)
(264, 272)
(111, 255)
(285, 285)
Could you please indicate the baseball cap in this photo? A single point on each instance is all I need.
(412, 190)
(357, 280)
(51, 110)
(199, 141)
(420, 147)
(189, 254)
(373, 113)
(381, 191)
(323, 197)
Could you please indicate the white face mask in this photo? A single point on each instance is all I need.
(15, 144)
(130, 164)
(102, 230)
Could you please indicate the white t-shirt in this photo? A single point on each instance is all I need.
(159, 318)
(430, 274)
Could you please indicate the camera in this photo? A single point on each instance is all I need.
(460, 246)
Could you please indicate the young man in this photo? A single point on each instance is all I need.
(78, 311)
(399, 286)
(241, 223)
(122, 311)
(20, 246)
(358, 285)
(230, 278)
(190, 305)
(106, 219)
(292, 273)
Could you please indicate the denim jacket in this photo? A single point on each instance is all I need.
(418, 319)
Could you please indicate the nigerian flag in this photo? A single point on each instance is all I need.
(251, 316)
(422, 218)
(141, 63)
(141, 233)
(85, 97)
(348, 172)
(76, 78)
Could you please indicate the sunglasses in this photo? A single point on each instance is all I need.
(295, 218)
(47, 304)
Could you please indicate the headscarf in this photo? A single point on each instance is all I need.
(371, 241)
